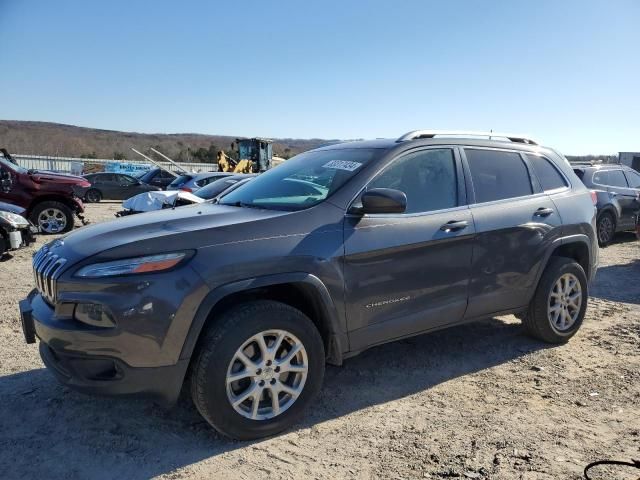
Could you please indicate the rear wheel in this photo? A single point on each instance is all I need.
(52, 217)
(257, 369)
(93, 196)
(560, 302)
(606, 227)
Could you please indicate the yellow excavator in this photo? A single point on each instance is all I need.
(254, 156)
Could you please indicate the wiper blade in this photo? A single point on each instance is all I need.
(241, 204)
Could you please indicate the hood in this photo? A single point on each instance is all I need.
(52, 177)
(196, 225)
(7, 207)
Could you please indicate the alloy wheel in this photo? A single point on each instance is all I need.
(605, 229)
(52, 220)
(565, 302)
(267, 374)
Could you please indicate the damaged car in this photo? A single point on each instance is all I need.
(157, 200)
(15, 230)
(52, 201)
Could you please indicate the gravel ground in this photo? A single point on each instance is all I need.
(476, 401)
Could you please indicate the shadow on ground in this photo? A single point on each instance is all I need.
(50, 430)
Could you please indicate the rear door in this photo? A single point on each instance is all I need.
(105, 182)
(407, 273)
(626, 197)
(515, 224)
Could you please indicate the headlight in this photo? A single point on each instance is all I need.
(128, 266)
(14, 219)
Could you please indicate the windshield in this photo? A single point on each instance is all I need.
(179, 181)
(11, 166)
(302, 182)
(142, 174)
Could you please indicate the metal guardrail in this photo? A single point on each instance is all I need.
(66, 164)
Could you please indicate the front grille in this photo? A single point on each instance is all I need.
(47, 267)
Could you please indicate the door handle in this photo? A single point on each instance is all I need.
(454, 226)
(543, 212)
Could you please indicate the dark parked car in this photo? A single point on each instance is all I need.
(338, 249)
(617, 188)
(114, 186)
(157, 177)
(50, 199)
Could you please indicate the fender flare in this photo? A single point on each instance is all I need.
(577, 238)
(337, 342)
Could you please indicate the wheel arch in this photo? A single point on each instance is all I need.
(576, 247)
(303, 291)
(51, 198)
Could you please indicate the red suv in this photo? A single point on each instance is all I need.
(51, 200)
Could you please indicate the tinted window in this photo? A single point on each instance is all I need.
(125, 180)
(579, 172)
(105, 177)
(633, 178)
(498, 175)
(617, 179)
(215, 188)
(428, 179)
(549, 177)
(303, 181)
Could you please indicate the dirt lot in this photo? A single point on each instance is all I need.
(477, 401)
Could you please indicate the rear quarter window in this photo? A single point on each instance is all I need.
(548, 175)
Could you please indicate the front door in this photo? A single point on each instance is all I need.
(407, 273)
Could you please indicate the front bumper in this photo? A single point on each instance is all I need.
(61, 345)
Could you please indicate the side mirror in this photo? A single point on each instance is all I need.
(382, 200)
(5, 181)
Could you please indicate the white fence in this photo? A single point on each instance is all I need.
(70, 164)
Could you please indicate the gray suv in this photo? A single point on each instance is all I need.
(334, 251)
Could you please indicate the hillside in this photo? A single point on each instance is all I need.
(43, 138)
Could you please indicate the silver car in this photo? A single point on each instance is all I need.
(191, 182)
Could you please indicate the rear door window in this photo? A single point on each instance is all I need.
(549, 176)
(498, 175)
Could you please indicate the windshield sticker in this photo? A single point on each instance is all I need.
(342, 165)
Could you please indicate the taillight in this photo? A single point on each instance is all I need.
(187, 189)
(594, 197)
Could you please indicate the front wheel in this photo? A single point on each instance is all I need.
(560, 302)
(256, 369)
(52, 217)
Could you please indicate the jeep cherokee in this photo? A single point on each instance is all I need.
(334, 251)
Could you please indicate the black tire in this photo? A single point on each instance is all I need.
(4, 245)
(42, 207)
(218, 346)
(93, 196)
(536, 321)
(605, 228)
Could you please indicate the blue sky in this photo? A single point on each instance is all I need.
(566, 72)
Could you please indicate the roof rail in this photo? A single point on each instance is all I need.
(514, 137)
